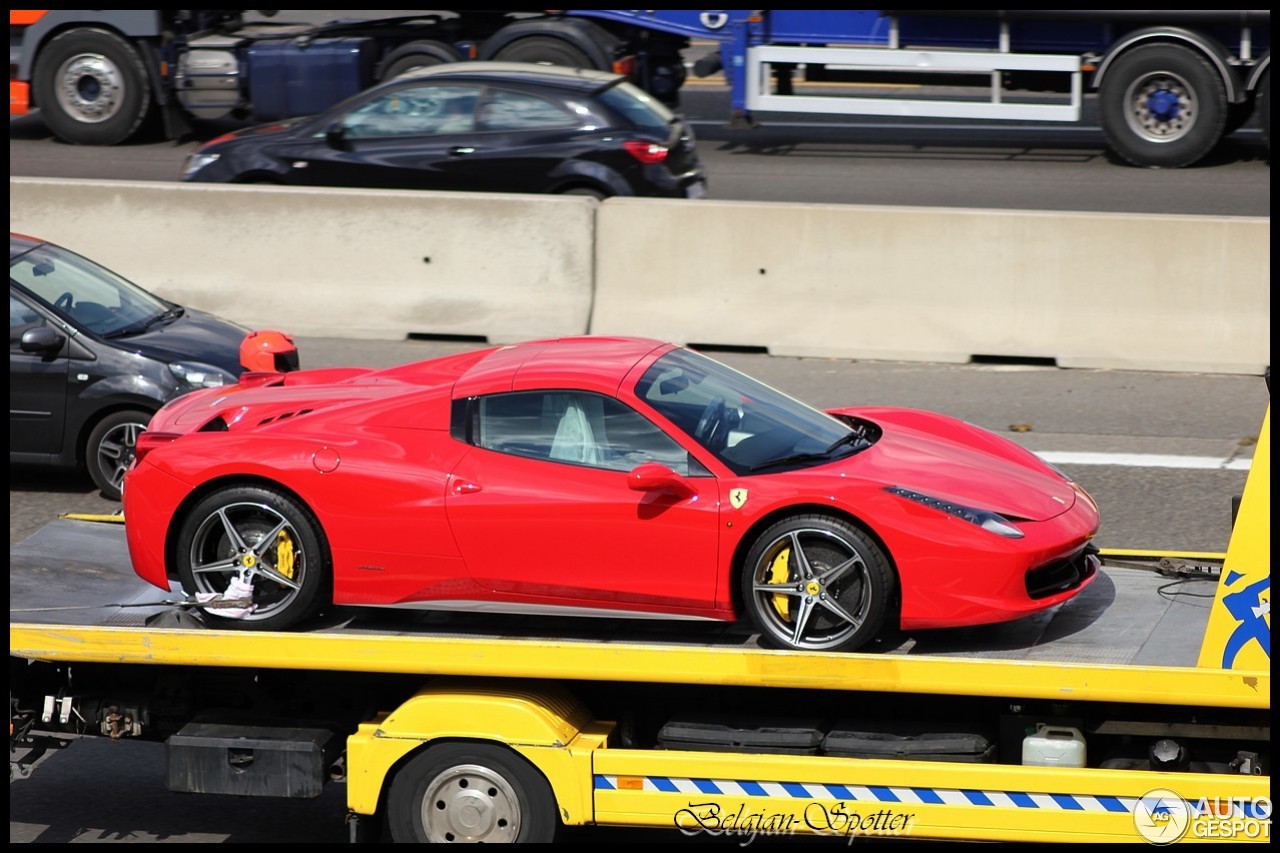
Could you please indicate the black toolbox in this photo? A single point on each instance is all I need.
(908, 741)
(742, 734)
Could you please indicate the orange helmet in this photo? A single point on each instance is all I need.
(268, 351)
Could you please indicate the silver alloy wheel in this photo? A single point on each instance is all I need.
(1161, 107)
(89, 87)
(246, 537)
(115, 452)
(824, 599)
(469, 802)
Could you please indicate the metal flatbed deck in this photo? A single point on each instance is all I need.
(74, 596)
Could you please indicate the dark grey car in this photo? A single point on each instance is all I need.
(92, 356)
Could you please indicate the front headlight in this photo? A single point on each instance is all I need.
(987, 520)
(197, 375)
(195, 162)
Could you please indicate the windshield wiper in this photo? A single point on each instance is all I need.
(854, 437)
(171, 314)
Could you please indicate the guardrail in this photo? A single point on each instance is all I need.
(1170, 293)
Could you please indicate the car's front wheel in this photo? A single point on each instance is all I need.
(258, 547)
(817, 583)
(108, 452)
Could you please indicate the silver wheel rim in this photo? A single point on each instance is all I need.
(115, 452)
(1160, 107)
(89, 88)
(470, 803)
(826, 596)
(245, 538)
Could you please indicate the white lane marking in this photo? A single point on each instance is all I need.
(1143, 460)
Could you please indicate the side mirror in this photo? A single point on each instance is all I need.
(652, 477)
(335, 136)
(43, 339)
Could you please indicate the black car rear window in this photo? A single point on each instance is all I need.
(639, 107)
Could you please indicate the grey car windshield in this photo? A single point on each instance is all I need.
(93, 297)
(749, 426)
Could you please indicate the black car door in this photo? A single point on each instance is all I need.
(409, 138)
(37, 385)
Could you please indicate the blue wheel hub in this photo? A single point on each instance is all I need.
(1163, 104)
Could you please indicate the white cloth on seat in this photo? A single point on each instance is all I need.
(574, 440)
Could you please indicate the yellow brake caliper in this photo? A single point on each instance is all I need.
(780, 572)
(284, 554)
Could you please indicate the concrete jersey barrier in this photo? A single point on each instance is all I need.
(335, 262)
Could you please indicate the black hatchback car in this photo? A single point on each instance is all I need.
(487, 126)
(92, 356)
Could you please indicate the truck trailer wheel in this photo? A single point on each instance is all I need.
(415, 54)
(1162, 105)
(471, 792)
(91, 87)
(816, 583)
(265, 537)
(545, 50)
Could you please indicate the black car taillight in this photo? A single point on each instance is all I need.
(646, 152)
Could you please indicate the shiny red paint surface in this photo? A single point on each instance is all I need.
(413, 513)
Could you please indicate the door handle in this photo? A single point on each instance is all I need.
(461, 151)
(463, 487)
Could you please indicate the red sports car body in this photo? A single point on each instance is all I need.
(597, 476)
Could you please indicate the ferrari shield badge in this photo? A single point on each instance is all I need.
(737, 497)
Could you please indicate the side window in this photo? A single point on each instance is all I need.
(21, 318)
(574, 427)
(415, 111)
(505, 110)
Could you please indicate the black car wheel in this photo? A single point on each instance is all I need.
(91, 87)
(268, 538)
(108, 453)
(1162, 105)
(471, 792)
(816, 583)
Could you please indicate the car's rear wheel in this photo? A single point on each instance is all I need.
(816, 583)
(471, 792)
(108, 452)
(266, 539)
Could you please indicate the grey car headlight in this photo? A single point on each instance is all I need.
(197, 161)
(196, 375)
(987, 520)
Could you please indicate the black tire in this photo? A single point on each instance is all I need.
(817, 605)
(415, 54)
(91, 87)
(1162, 105)
(290, 576)
(599, 195)
(108, 452)
(544, 50)
(457, 791)
(1264, 107)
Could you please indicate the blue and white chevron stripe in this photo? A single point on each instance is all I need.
(880, 794)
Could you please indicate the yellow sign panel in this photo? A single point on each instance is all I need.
(1239, 631)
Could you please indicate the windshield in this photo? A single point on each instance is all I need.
(93, 297)
(749, 426)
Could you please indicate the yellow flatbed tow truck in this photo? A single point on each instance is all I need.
(1139, 711)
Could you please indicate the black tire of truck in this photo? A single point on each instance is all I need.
(415, 54)
(544, 50)
(1148, 136)
(465, 791)
(91, 87)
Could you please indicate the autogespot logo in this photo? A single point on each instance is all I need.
(1161, 816)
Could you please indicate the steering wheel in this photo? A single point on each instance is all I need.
(711, 426)
(64, 302)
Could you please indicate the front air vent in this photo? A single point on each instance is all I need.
(218, 424)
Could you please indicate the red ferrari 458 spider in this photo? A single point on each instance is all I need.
(597, 476)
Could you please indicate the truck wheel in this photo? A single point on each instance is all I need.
(108, 452)
(415, 54)
(1162, 105)
(264, 535)
(460, 792)
(91, 87)
(544, 50)
(816, 583)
